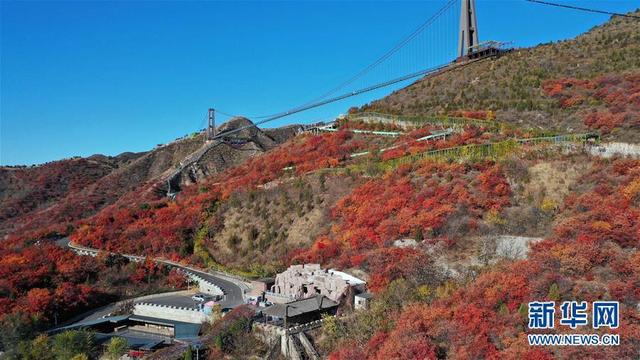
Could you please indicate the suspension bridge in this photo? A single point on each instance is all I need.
(447, 40)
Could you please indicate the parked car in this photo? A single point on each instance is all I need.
(200, 297)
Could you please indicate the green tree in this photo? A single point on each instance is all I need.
(523, 311)
(419, 236)
(554, 292)
(14, 328)
(218, 341)
(331, 328)
(37, 349)
(116, 347)
(68, 344)
(188, 354)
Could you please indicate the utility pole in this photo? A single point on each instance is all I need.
(286, 330)
(468, 33)
(286, 315)
(211, 128)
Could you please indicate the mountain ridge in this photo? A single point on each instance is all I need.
(126, 172)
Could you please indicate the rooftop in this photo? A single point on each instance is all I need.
(182, 330)
(316, 270)
(134, 340)
(365, 295)
(346, 277)
(300, 307)
(90, 323)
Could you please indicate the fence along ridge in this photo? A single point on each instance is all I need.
(491, 149)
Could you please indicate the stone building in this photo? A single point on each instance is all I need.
(260, 286)
(307, 280)
(362, 301)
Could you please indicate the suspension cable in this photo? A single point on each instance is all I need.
(584, 9)
(377, 62)
(444, 67)
(393, 50)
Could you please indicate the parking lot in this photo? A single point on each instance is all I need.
(175, 300)
(178, 300)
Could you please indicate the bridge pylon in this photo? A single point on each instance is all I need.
(211, 127)
(468, 33)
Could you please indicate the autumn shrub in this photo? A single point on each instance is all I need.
(609, 101)
(431, 196)
(592, 255)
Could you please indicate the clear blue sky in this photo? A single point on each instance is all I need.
(79, 78)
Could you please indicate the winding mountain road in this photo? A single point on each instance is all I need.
(233, 289)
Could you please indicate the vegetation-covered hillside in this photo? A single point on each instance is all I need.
(264, 200)
(49, 198)
(26, 190)
(592, 254)
(522, 86)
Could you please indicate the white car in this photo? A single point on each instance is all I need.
(199, 297)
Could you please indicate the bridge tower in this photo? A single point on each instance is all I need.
(468, 33)
(211, 128)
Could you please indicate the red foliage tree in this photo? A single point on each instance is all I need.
(593, 255)
(619, 93)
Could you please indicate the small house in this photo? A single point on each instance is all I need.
(362, 301)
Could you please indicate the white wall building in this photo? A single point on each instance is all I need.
(303, 281)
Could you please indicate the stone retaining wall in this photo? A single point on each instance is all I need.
(175, 313)
(205, 285)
